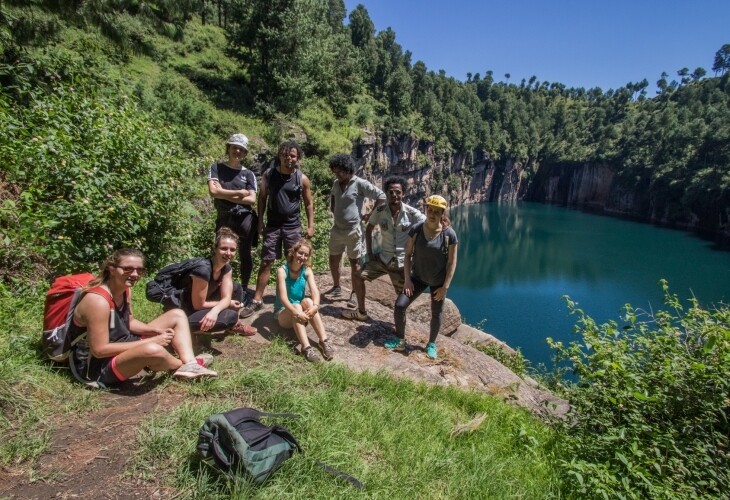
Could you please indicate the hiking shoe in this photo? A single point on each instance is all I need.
(352, 302)
(333, 293)
(204, 359)
(395, 344)
(242, 329)
(255, 305)
(431, 350)
(328, 349)
(354, 314)
(193, 370)
(310, 354)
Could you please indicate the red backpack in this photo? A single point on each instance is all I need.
(61, 300)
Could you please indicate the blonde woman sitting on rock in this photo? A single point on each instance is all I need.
(292, 309)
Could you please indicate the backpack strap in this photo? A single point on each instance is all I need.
(98, 290)
(278, 415)
(342, 475)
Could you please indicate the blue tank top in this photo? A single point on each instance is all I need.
(294, 287)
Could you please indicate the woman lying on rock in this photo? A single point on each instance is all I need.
(292, 309)
(210, 298)
(113, 345)
(430, 262)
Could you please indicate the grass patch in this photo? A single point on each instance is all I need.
(32, 390)
(396, 436)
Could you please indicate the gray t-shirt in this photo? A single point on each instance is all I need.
(394, 234)
(430, 258)
(348, 202)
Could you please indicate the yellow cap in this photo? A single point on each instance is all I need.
(437, 201)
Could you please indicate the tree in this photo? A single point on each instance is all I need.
(722, 60)
(362, 35)
(698, 73)
(336, 12)
(362, 29)
(289, 49)
(684, 75)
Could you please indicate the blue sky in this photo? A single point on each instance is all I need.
(577, 43)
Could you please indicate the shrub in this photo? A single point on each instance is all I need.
(651, 404)
(94, 174)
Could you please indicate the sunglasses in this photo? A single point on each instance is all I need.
(131, 269)
(394, 192)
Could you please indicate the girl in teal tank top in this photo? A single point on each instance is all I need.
(292, 309)
(295, 287)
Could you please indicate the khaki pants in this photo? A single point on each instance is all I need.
(376, 268)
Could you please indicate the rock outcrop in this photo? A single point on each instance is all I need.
(360, 346)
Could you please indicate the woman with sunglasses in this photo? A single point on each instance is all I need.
(110, 345)
(210, 298)
(430, 262)
(292, 309)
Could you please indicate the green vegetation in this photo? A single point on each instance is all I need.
(112, 112)
(367, 425)
(515, 362)
(651, 405)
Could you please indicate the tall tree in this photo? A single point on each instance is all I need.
(336, 13)
(722, 60)
(289, 48)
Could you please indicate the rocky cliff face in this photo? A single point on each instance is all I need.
(473, 177)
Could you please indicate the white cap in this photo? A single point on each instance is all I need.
(239, 140)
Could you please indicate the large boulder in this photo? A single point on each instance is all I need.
(360, 346)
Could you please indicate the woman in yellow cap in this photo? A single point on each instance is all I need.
(430, 262)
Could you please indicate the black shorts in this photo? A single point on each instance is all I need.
(275, 237)
(105, 373)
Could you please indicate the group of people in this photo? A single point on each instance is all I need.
(417, 252)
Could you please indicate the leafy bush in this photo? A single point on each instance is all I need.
(514, 361)
(651, 404)
(87, 173)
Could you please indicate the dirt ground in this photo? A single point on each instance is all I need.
(98, 446)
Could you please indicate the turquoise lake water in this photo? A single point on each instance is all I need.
(517, 261)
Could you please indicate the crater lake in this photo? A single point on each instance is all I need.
(516, 262)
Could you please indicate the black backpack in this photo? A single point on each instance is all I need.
(237, 442)
(168, 285)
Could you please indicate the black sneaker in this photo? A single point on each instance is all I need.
(334, 293)
(251, 308)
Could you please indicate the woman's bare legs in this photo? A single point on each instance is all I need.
(316, 320)
(182, 342)
(150, 355)
(286, 320)
(153, 355)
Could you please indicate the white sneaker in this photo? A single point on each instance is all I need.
(204, 359)
(193, 370)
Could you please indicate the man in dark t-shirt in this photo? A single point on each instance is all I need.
(283, 187)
